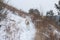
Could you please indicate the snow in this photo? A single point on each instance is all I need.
(14, 27)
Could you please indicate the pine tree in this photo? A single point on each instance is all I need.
(50, 14)
(34, 11)
(58, 7)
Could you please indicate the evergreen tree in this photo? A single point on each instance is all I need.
(34, 11)
(37, 12)
(58, 7)
(50, 14)
(31, 11)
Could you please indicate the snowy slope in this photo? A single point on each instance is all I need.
(14, 27)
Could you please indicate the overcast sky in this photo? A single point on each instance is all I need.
(41, 5)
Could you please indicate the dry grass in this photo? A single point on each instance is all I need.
(43, 30)
(42, 25)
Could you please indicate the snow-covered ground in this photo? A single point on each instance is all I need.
(15, 27)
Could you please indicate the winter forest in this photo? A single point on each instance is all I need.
(18, 24)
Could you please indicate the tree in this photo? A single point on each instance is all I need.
(58, 7)
(58, 10)
(50, 14)
(34, 11)
(31, 11)
(37, 11)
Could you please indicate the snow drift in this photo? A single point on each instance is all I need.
(15, 27)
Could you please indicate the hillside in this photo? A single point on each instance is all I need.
(18, 25)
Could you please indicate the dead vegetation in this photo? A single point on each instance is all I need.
(43, 24)
(44, 29)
